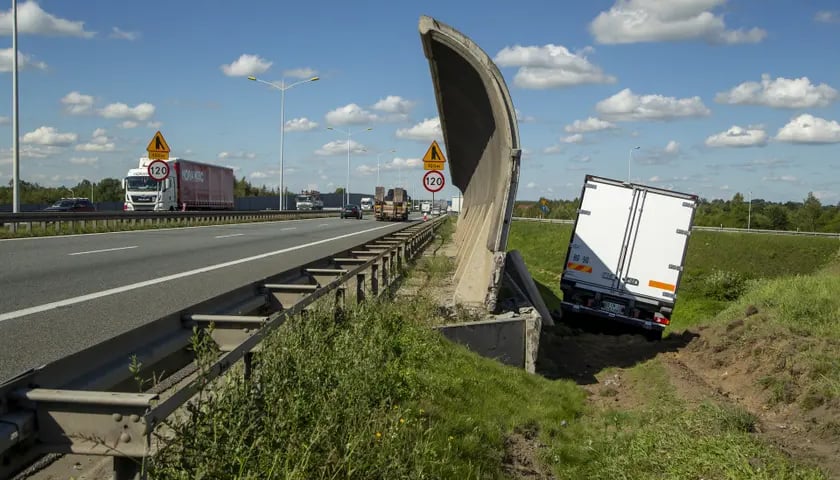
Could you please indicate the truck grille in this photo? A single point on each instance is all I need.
(142, 198)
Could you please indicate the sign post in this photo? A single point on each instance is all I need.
(158, 149)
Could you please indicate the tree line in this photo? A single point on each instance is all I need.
(110, 190)
(808, 215)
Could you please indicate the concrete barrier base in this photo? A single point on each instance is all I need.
(511, 338)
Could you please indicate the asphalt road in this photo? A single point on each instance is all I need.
(59, 295)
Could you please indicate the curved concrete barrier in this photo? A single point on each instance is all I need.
(481, 137)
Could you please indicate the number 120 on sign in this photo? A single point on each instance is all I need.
(433, 181)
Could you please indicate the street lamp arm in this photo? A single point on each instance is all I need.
(283, 86)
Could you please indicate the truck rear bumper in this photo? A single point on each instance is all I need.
(636, 322)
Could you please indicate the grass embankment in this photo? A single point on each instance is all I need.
(118, 226)
(375, 395)
(767, 309)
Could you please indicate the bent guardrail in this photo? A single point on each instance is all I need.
(58, 222)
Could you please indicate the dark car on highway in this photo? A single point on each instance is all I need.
(71, 205)
(351, 210)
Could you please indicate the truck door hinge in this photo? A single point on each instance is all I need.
(678, 268)
(689, 204)
(608, 276)
(584, 212)
(631, 281)
(669, 295)
(591, 185)
(680, 231)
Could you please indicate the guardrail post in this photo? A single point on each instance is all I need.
(360, 288)
(374, 280)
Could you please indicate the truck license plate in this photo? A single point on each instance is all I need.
(612, 307)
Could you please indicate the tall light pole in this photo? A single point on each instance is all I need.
(629, 161)
(377, 164)
(749, 211)
(15, 126)
(282, 87)
(347, 185)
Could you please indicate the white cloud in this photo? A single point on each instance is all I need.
(350, 114)
(627, 106)
(24, 61)
(553, 149)
(300, 125)
(139, 112)
(29, 151)
(673, 147)
(826, 16)
(366, 169)
(49, 136)
(780, 93)
(522, 118)
(426, 131)
(246, 65)
(591, 124)
(550, 66)
(826, 196)
(304, 72)
(400, 163)
(32, 19)
(807, 128)
(737, 136)
(339, 147)
(236, 155)
(76, 103)
(394, 104)
(84, 160)
(258, 175)
(123, 35)
(128, 124)
(99, 142)
(576, 138)
(658, 156)
(782, 178)
(155, 124)
(531, 185)
(633, 21)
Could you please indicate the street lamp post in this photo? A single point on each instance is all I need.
(282, 87)
(15, 126)
(749, 211)
(377, 164)
(347, 185)
(629, 161)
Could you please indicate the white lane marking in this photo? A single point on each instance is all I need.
(149, 230)
(113, 291)
(103, 250)
(231, 235)
(288, 228)
(324, 225)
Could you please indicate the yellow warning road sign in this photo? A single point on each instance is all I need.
(158, 149)
(433, 165)
(434, 153)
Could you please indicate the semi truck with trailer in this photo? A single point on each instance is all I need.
(393, 206)
(189, 186)
(367, 204)
(626, 254)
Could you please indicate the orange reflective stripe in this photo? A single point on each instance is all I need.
(579, 267)
(662, 285)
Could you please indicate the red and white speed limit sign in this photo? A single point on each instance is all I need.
(159, 170)
(433, 181)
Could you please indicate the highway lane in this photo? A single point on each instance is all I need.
(27, 340)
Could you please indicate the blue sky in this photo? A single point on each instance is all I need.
(720, 96)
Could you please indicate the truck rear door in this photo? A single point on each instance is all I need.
(596, 246)
(658, 243)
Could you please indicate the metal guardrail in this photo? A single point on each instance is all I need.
(707, 229)
(55, 220)
(78, 404)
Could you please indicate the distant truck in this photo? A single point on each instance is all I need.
(309, 200)
(626, 253)
(367, 204)
(426, 207)
(393, 206)
(189, 186)
(455, 205)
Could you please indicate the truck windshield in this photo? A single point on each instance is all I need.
(141, 184)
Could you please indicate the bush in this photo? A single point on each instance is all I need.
(724, 285)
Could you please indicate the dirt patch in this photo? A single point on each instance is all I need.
(716, 364)
(521, 459)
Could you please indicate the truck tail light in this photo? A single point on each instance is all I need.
(125, 206)
(661, 319)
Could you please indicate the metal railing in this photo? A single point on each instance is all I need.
(706, 228)
(78, 404)
(56, 221)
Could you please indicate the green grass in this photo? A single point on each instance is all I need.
(121, 226)
(373, 395)
(664, 437)
(543, 246)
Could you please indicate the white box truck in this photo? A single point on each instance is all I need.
(626, 253)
